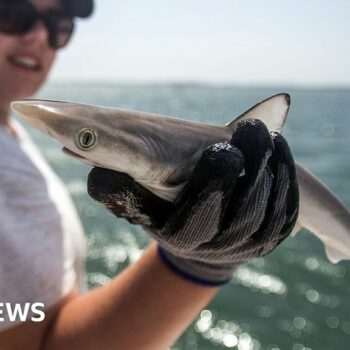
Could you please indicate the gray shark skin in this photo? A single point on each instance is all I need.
(160, 153)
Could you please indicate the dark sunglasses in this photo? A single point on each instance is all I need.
(19, 17)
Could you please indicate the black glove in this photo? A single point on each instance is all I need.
(220, 219)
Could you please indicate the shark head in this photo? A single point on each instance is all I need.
(159, 152)
(91, 134)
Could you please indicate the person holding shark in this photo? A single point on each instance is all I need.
(240, 201)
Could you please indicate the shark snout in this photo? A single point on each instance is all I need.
(27, 109)
(35, 112)
(32, 113)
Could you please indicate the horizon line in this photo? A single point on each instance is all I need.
(209, 84)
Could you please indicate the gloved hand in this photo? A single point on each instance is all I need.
(220, 219)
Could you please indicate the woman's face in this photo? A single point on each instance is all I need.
(25, 59)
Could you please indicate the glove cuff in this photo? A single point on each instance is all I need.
(198, 272)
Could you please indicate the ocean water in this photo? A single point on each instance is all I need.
(292, 299)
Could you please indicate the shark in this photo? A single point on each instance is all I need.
(160, 152)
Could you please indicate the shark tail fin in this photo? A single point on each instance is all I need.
(272, 111)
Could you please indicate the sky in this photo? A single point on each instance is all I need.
(261, 42)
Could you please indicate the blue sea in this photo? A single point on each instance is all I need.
(292, 299)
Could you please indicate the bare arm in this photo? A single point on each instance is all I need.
(145, 307)
(29, 335)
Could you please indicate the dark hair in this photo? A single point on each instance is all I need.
(78, 8)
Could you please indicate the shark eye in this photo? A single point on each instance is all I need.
(86, 139)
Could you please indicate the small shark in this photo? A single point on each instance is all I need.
(160, 153)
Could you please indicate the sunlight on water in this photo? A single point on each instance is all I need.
(256, 280)
(114, 253)
(299, 346)
(97, 279)
(229, 334)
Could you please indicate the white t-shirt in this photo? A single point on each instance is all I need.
(41, 237)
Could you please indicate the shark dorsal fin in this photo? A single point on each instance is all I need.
(272, 111)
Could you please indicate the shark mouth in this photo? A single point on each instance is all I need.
(77, 156)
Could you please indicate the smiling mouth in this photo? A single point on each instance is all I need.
(70, 153)
(77, 156)
(26, 63)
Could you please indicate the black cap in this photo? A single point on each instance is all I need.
(78, 8)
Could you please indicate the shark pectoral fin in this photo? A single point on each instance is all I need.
(272, 112)
(296, 229)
